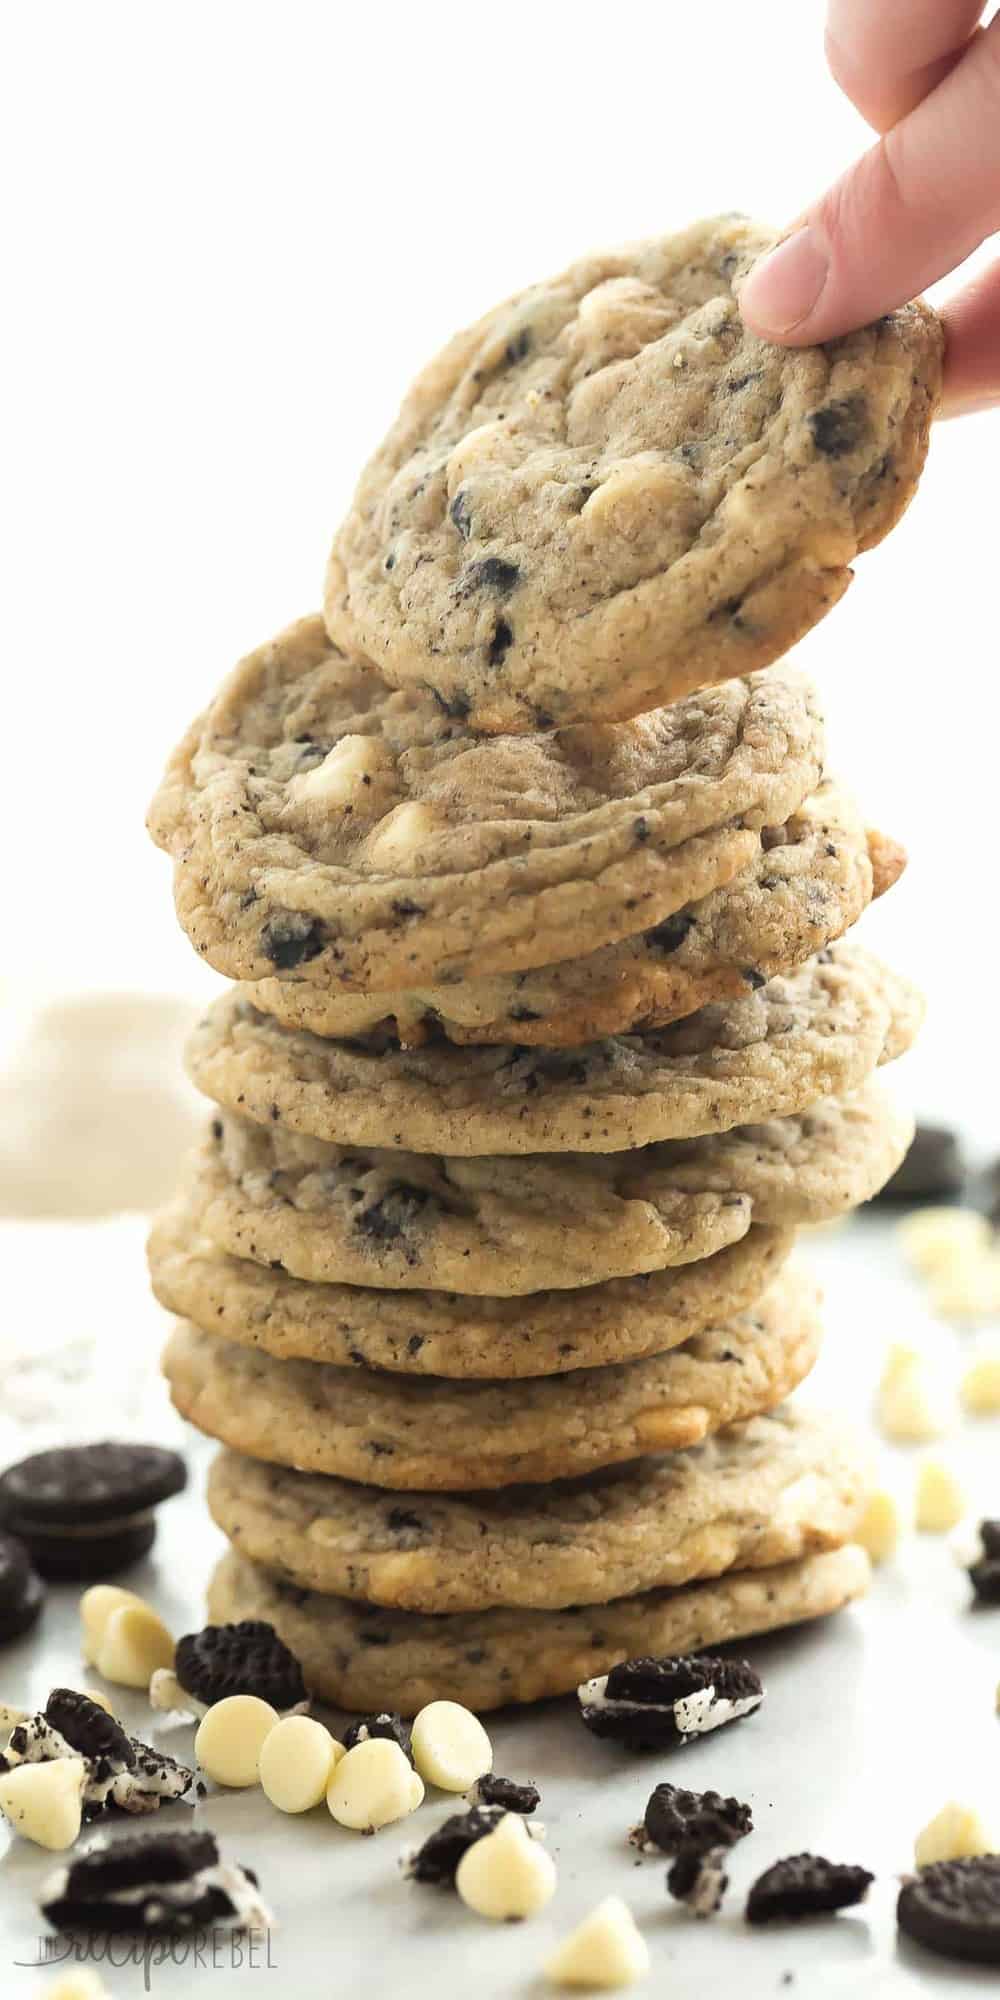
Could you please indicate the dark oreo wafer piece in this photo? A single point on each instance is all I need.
(953, 1907)
(806, 1885)
(651, 1704)
(698, 1878)
(88, 1728)
(506, 1793)
(391, 1727)
(246, 1658)
(676, 1819)
(86, 1511)
(438, 1858)
(21, 1592)
(933, 1169)
(151, 1881)
(984, 1573)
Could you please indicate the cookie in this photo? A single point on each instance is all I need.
(502, 1227)
(656, 1704)
(173, 1881)
(818, 1032)
(22, 1593)
(608, 491)
(447, 1436)
(953, 1908)
(359, 1657)
(86, 1511)
(326, 829)
(441, 1333)
(768, 1491)
(806, 884)
(806, 1885)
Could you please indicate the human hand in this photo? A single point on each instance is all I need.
(916, 205)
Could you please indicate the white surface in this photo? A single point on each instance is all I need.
(871, 1721)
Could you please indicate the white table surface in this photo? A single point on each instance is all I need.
(872, 1720)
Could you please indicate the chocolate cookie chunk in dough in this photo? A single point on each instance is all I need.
(653, 1704)
(953, 1907)
(806, 1885)
(87, 1511)
(676, 1819)
(153, 1882)
(609, 492)
(329, 831)
(21, 1590)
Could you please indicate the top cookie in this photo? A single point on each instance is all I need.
(327, 828)
(608, 492)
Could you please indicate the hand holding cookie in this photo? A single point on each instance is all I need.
(915, 206)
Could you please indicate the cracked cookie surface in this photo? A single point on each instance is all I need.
(768, 1491)
(609, 492)
(327, 829)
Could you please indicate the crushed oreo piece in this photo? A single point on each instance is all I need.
(932, 1170)
(506, 1793)
(651, 1704)
(291, 939)
(437, 1859)
(676, 1819)
(698, 1878)
(121, 1771)
(88, 1727)
(246, 1658)
(953, 1907)
(86, 1511)
(839, 427)
(984, 1573)
(391, 1727)
(806, 1885)
(153, 1882)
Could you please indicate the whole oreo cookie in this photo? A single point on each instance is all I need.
(953, 1907)
(675, 1819)
(246, 1658)
(652, 1704)
(391, 1727)
(21, 1592)
(806, 1885)
(86, 1511)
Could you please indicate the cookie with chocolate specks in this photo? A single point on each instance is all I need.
(357, 1655)
(608, 491)
(329, 830)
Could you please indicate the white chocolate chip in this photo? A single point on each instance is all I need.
(297, 1761)
(340, 779)
(372, 1785)
(96, 1607)
(132, 1645)
(230, 1739)
(44, 1802)
(941, 1498)
(937, 1240)
(970, 1291)
(506, 1874)
(472, 449)
(395, 841)
(956, 1833)
(450, 1746)
(882, 1525)
(607, 1950)
(980, 1384)
(912, 1403)
(79, 1984)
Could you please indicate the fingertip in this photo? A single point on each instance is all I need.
(782, 290)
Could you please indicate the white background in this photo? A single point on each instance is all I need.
(236, 231)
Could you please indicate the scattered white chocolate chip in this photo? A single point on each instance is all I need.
(372, 1785)
(297, 1761)
(912, 1406)
(79, 1984)
(44, 1802)
(450, 1746)
(956, 1833)
(96, 1607)
(936, 1240)
(606, 1950)
(941, 1500)
(341, 777)
(506, 1874)
(882, 1525)
(132, 1645)
(980, 1384)
(230, 1739)
(395, 840)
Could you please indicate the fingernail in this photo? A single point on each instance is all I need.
(782, 288)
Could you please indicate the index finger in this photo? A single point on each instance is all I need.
(887, 55)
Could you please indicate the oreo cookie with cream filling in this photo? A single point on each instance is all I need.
(153, 1882)
(121, 1771)
(21, 1590)
(676, 1819)
(806, 1885)
(652, 1704)
(87, 1511)
(953, 1907)
(221, 1660)
(391, 1727)
(505, 1792)
(698, 1878)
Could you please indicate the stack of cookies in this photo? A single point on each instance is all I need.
(545, 1038)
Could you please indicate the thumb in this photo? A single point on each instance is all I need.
(910, 210)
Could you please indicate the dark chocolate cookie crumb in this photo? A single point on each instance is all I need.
(438, 1858)
(675, 1819)
(246, 1658)
(506, 1793)
(953, 1907)
(698, 1878)
(391, 1727)
(806, 1885)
